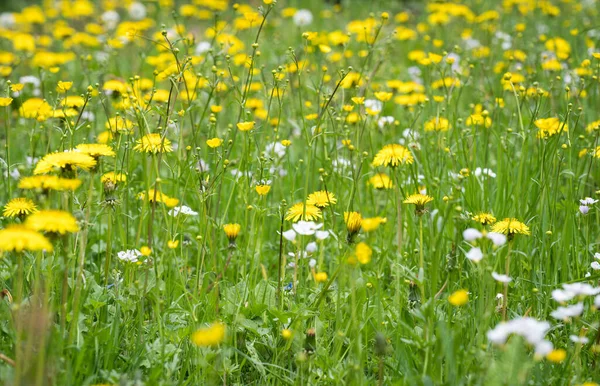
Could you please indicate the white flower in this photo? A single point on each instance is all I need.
(597, 255)
(584, 209)
(312, 263)
(563, 313)
(374, 105)
(110, 19)
(387, 120)
(183, 210)
(471, 234)
(303, 17)
(485, 172)
(130, 255)
(321, 235)
(579, 339)
(543, 348)
(311, 247)
(501, 278)
(30, 79)
(7, 20)
(497, 238)
(275, 148)
(597, 301)
(588, 201)
(137, 11)
(289, 235)
(595, 266)
(532, 330)
(202, 47)
(475, 255)
(306, 228)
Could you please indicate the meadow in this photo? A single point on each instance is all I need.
(300, 193)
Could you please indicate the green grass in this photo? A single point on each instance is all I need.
(79, 315)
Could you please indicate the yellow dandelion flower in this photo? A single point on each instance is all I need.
(372, 223)
(353, 222)
(52, 221)
(459, 298)
(484, 218)
(19, 207)
(44, 182)
(321, 277)
(153, 143)
(418, 199)
(393, 155)
(212, 335)
(511, 227)
(64, 162)
(232, 231)
(112, 177)
(381, 181)
(18, 238)
(4, 101)
(321, 199)
(96, 149)
(556, 355)
(303, 211)
(363, 253)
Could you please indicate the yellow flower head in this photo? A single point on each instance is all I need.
(459, 298)
(4, 101)
(232, 231)
(381, 181)
(52, 221)
(321, 199)
(112, 177)
(64, 162)
(511, 227)
(212, 335)
(18, 238)
(419, 200)
(372, 223)
(303, 211)
(363, 253)
(321, 277)
(49, 183)
(19, 207)
(95, 150)
(245, 126)
(353, 222)
(484, 218)
(153, 143)
(63, 86)
(262, 190)
(550, 126)
(393, 155)
(556, 355)
(214, 142)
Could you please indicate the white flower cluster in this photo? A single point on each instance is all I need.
(129, 256)
(471, 234)
(532, 330)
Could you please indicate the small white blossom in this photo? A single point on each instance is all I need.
(311, 247)
(182, 210)
(306, 228)
(501, 278)
(137, 11)
(471, 234)
(289, 235)
(303, 17)
(563, 313)
(130, 255)
(579, 339)
(475, 255)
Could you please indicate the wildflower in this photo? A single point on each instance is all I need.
(321, 199)
(245, 126)
(49, 183)
(363, 253)
(262, 190)
(437, 124)
(565, 313)
(556, 355)
(186, 210)
(232, 231)
(393, 155)
(306, 228)
(511, 227)
(321, 277)
(501, 278)
(353, 222)
(212, 335)
(570, 291)
(459, 298)
(303, 17)
(153, 143)
(64, 162)
(18, 238)
(381, 181)
(484, 218)
(533, 331)
(63, 86)
(19, 207)
(96, 150)
(287, 334)
(112, 179)
(419, 200)
(145, 251)
(129, 256)
(550, 126)
(214, 142)
(303, 211)
(52, 221)
(372, 223)
(475, 255)
(172, 244)
(579, 339)
(5, 101)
